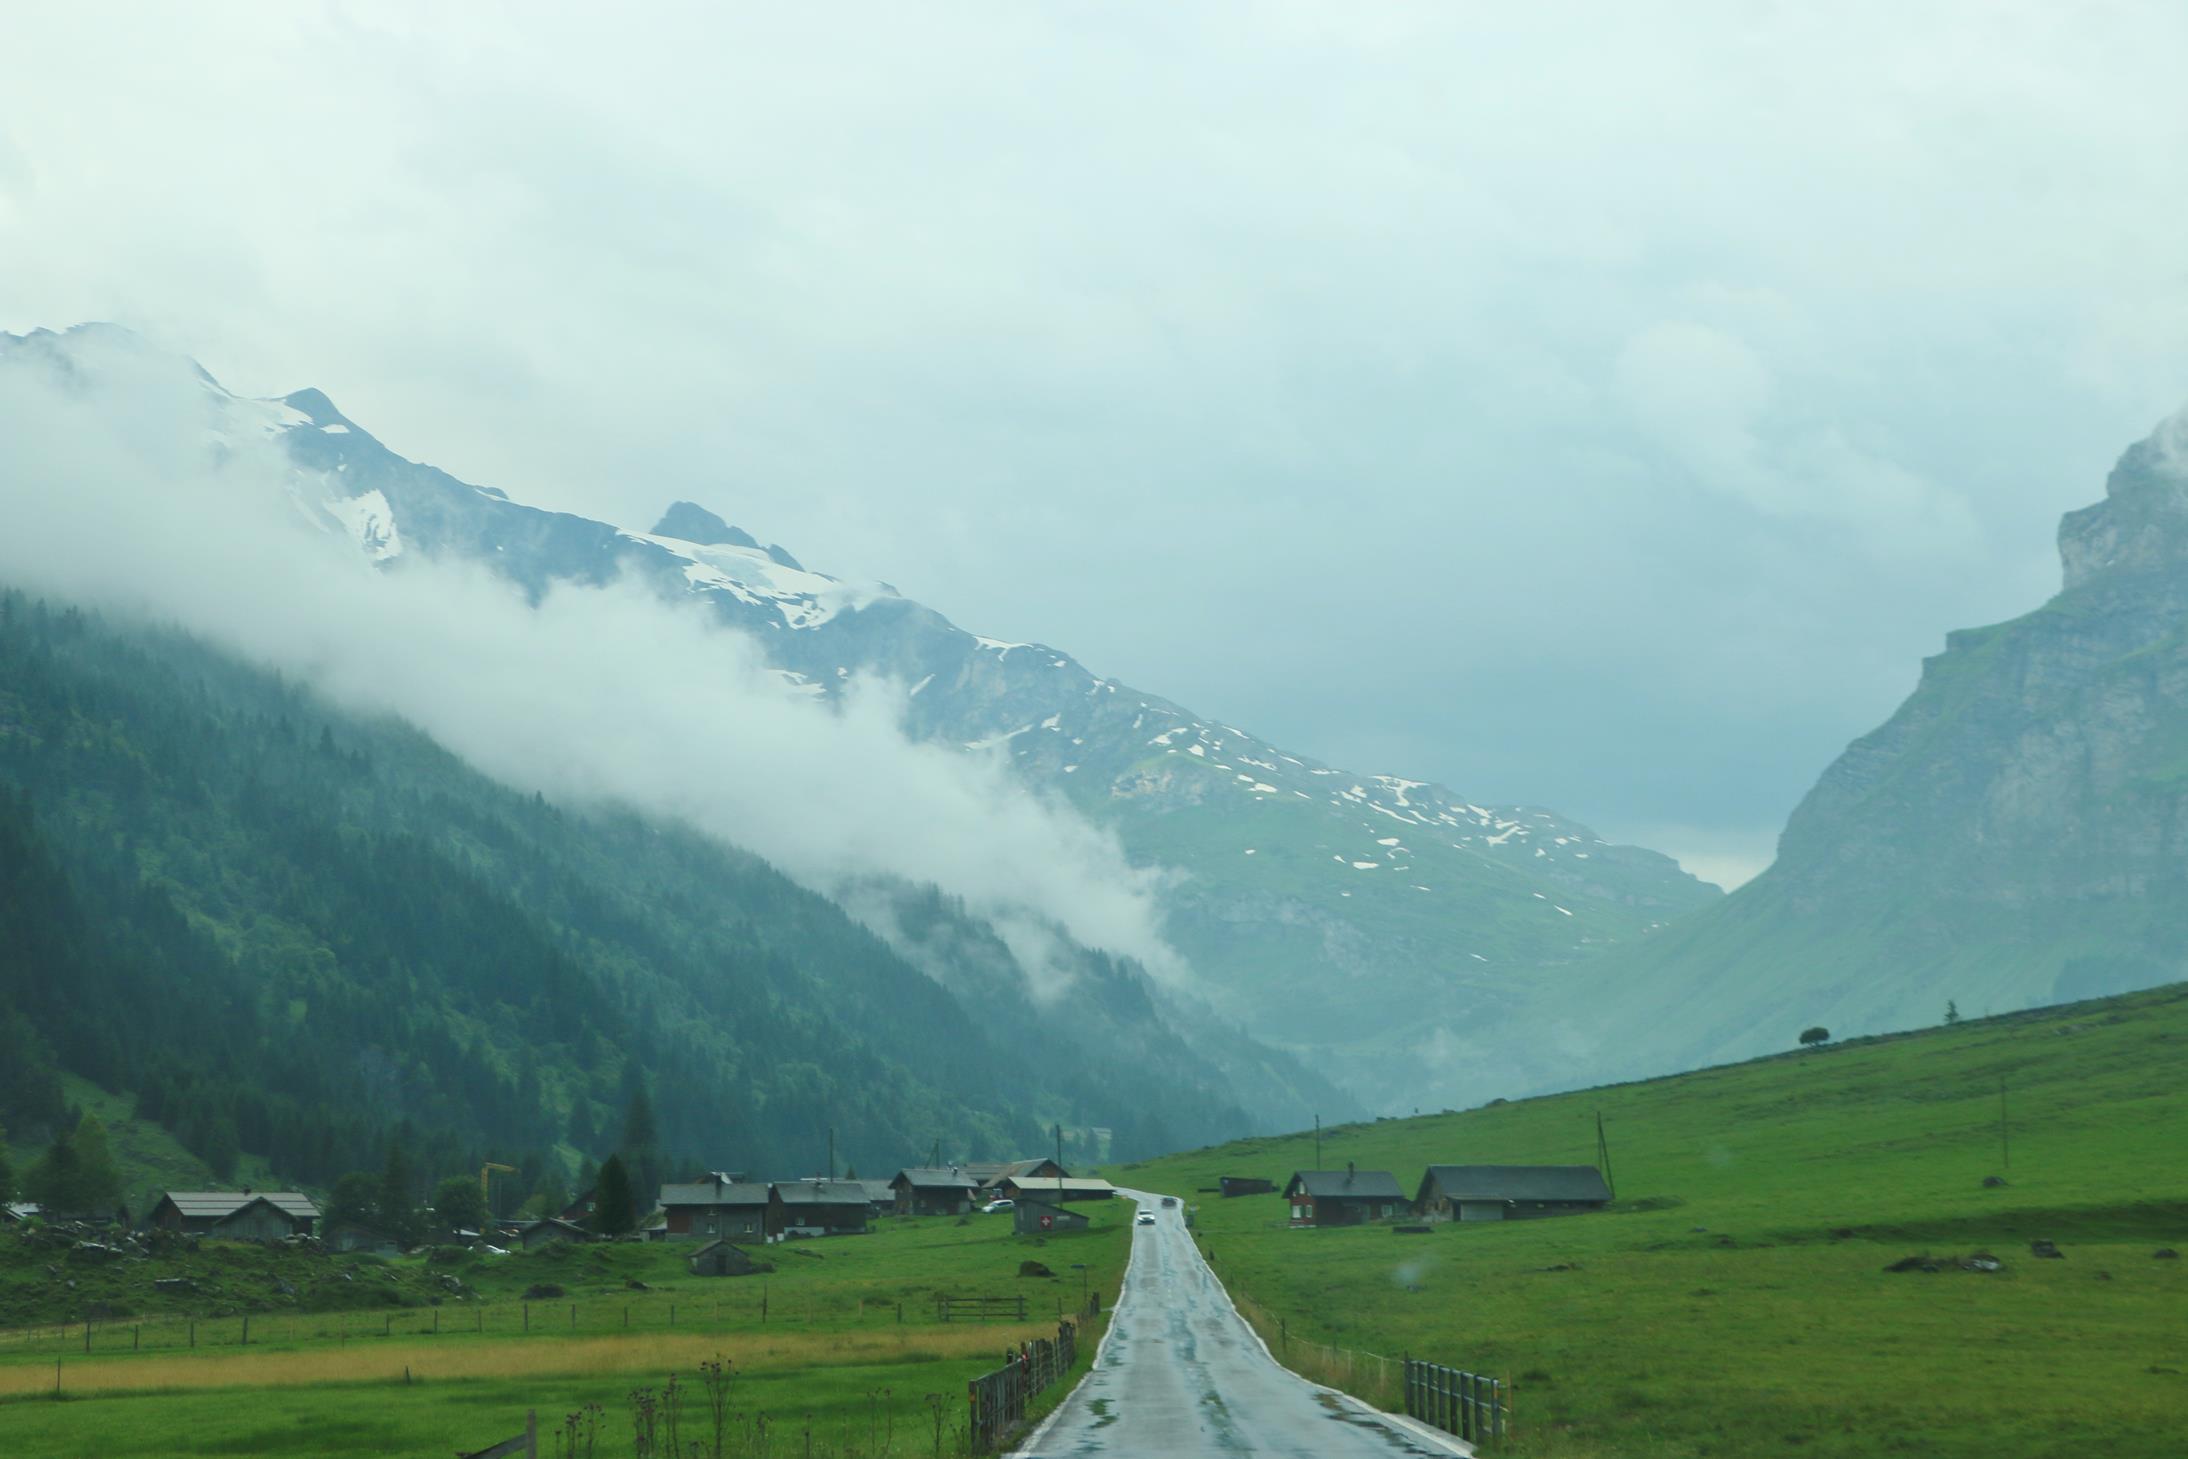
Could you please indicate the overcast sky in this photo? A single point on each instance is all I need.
(1601, 406)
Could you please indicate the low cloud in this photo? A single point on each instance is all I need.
(119, 494)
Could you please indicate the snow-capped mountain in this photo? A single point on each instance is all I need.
(1384, 926)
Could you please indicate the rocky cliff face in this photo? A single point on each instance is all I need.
(2016, 834)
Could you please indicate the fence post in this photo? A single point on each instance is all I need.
(531, 1433)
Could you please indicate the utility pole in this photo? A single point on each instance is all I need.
(2005, 1149)
(1059, 1166)
(1603, 1154)
(831, 1152)
(1317, 1142)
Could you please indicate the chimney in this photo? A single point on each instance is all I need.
(1348, 1172)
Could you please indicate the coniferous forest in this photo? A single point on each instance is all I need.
(298, 935)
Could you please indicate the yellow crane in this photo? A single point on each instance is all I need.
(486, 1194)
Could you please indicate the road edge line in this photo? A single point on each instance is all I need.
(1024, 1448)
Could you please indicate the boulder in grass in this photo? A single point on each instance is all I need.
(1993, 1182)
(542, 1292)
(1982, 1261)
(1033, 1269)
(2165, 1253)
(2046, 1249)
(1913, 1264)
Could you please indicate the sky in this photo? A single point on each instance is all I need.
(1600, 407)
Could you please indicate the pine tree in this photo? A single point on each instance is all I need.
(1952, 1011)
(98, 1178)
(398, 1203)
(7, 1175)
(612, 1213)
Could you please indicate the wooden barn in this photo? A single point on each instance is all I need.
(1345, 1197)
(353, 1236)
(1053, 1188)
(721, 1259)
(549, 1231)
(236, 1215)
(816, 1208)
(1245, 1185)
(934, 1190)
(716, 1206)
(1040, 1218)
(992, 1173)
(1509, 1192)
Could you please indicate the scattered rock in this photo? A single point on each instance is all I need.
(542, 1292)
(284, 1286)
(1913, 1264)
(2046, 1249)
(1033, 1269)
(174, 1284)
(1698, 1230)
(2165, 1253)
(449, 1282)
(1726, 1241)
(1993, 1182)
(93, 1252)
(637, 1286)
(1982, 1261)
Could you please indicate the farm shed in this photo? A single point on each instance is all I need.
(880, 1196)
(1245, 1185)
(236, 1215)
(934, 1191)
(1509, 1192)
(1039, 1218)
(816, 1208)
(1342, 1197)
(1054, 1188)
(715, 1206)
(721, 1259)
(550, 1231)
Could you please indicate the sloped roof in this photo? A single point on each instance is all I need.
(879, 1192)
(214, 1205)
(714, 1193)
(1517, 1182)
(1068, 1185)
(556, 1222)
(937, 1177)
(1346, 1185)
(821, 1192)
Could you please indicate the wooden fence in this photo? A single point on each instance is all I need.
(1474, 1407)
(979, 1309)
(998, 1401)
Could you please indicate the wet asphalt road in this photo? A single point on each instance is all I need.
(1181, 1373)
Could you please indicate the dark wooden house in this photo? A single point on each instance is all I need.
(1342, 1197)
(934, 1191)
(1039, 1218)
(1509, 1192)
(1245, 1185)
(355, 1236)
(236, 1215)
(817, 1208)
(992, 1174)
(701, 1210)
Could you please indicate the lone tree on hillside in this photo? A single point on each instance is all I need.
(1817, 1035)
(612, 1214)
(460, 1205)
(1952, 1011)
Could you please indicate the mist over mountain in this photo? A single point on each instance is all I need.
(1384, 928)
(2015, 835)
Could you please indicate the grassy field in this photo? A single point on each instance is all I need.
(1736, 1301)
(817, 1345)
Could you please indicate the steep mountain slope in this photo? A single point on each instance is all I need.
(2017, 834)
(290, 932)
(1386, 926)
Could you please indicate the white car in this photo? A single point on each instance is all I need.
(1147, 1218)
(1003, 1205)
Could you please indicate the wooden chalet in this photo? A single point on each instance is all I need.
(1509, 1192)
(1345, 1197)
(991, 1174)
(880, 1196)
(922, 1190)
(817, 1208)
(716, 1206)
(236, 1215)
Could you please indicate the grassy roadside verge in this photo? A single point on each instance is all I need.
(816, 1347)
(1736, 1302)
